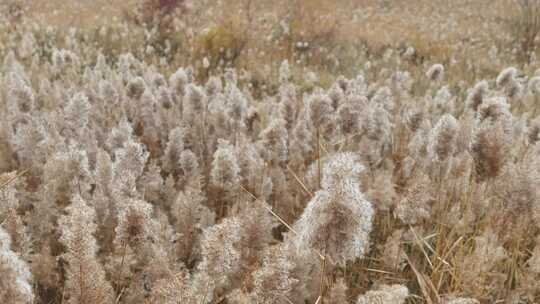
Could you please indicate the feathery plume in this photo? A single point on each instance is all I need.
(534, 85)
(195, 101)
(337, 221)
(495, 110)
(490, 150)
(213, 86)
(181, 288)
(435, 73)
(219, 249)
(190, 218)
(319, 107)
(477, 95)
(15, 281)
(128, 167)
(274, 282)
(225, 173)
(175, 147)
(77, 115)
(119, 135)
(85, 282)
(284, 72)
(415, 206)
(454, 300)
(10, 218)
(274, 142)
(135, 87)
(534, 131)
(385, 294)
(442, 139)
(178, 82)
(338, 293)
(506, 76)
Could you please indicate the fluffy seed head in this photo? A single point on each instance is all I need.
(506, 76)
(534, 85)
(442, 139)
(395, 294)
(225, 172)
(435, 73)
(16, 277)
(337, 221)
(477, 95)
(319, 106)
(178, 81)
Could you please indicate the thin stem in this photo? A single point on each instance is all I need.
(318, 156)
(279, 219)
(321, 282)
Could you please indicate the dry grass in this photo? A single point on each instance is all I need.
(75, 13)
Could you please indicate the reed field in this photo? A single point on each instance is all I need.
(269, 152)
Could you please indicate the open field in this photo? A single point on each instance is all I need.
(269, 152)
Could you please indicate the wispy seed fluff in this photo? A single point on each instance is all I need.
(175, 146)
(221, 258)
(477, 95)
(319, 107)
(178, 82)
(119, 135)
(77, 114)
(274, 282)
(15, 275)
(386, 294)
(225, 172)
(442, 138)
(128, 166)
(182, 288)
(514, 90)
(213, 85)
(20, 93)
(534, 85)
(495, 110)
(534, 131)
(377, 123)
(337, 294)
(453, 300)
(85, 277)
(133, 227)
(492, 138)
(337, 221)
(195, 100)
(274, 141)
(135, 87)
(284, 72)
(108, 92)
(435, 73)
(490, 149)
(444, 101)
(506, 77)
